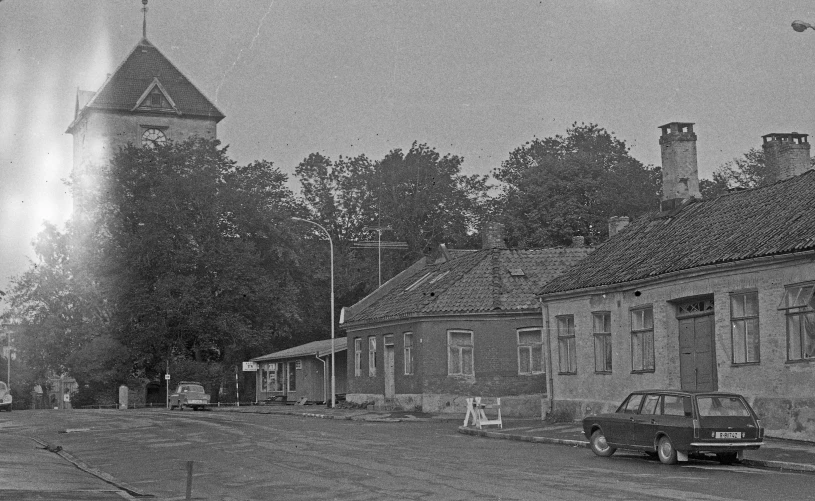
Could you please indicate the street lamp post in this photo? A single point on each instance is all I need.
(331, 246)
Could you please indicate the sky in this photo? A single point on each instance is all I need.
(470, 78)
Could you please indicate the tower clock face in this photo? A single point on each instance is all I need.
(152, 138)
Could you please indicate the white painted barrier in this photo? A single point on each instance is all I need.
(475, 411)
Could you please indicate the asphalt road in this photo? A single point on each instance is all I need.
(270, 457)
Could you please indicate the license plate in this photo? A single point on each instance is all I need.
(728, 434)
(196, 401)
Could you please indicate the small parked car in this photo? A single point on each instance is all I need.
(189, 394)
(5, 397)
(672, 424)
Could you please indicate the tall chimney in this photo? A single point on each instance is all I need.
(615, 224)
(492, 236)
(786, 155)
(680, 172)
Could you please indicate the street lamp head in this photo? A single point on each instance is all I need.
(800, 26)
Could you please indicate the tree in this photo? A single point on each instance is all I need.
(60, 316)
(196, 255)
(562, 186)
(749, 171)
(420, 194)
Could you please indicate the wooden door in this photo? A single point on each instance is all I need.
(697, 354)
(390, 387)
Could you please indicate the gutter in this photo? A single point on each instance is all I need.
(550, 378)
(686, 273)
(325, 374)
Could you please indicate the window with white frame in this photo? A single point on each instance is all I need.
(530, 351)
(744, 327)
(567, 353)
(601, 322)
(408, 336)
(459, 353)
(357, 357)
(642, 339)
(372, 356)
(799, 306)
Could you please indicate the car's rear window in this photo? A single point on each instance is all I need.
(721, 406)
(2, 386)
(192, 388)
(674, 405)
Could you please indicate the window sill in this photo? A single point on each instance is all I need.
(646, 371)
(567, 373)
(603, 373)
(745, 364)
(800, 361)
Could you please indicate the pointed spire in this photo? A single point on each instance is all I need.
(144, 23)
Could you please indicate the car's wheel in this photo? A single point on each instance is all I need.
(727, 457)
(599, 445)
(666, 451)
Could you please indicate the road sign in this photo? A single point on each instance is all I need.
(250, 366)
(167, 377)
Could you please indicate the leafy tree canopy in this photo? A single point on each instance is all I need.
(562, 186)
(196, 254)
(421, 195)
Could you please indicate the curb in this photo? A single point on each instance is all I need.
(132, 491)
(750, 463)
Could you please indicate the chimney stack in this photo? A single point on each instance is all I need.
(680, 172)
(786, 155)
(578, 241)
(615, 224)
(492, 236)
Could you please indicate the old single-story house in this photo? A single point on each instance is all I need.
(302, 371)
(456, 325)
(703, 295)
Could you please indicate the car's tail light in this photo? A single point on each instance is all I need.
(760, 429)
(696, 428)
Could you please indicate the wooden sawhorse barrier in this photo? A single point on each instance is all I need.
(475, 411)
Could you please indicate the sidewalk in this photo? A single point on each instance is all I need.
(785, 455)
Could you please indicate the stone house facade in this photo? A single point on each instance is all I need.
(456, 325)
(703, 295)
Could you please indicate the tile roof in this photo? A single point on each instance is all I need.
(768, 221)
(469, 282)
(315, 348)
(132, 78)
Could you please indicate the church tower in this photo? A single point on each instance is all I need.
(146, 101)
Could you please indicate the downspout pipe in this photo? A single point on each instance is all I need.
(325, 377)
(550, 378)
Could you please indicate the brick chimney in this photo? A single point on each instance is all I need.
(578, 241)
(615, 224)
(786, 155)
(680, 172)
(492, 236)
